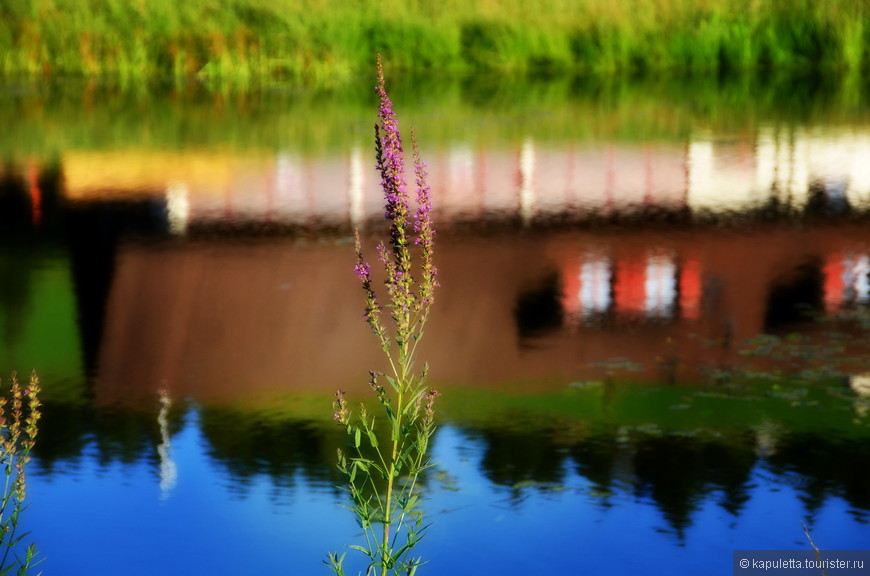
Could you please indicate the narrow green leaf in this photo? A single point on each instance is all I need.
(365, 551)
(17, 540)
(392, 382)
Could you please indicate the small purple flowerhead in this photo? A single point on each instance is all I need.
(341, 413)
(363, 270)
(429, 406)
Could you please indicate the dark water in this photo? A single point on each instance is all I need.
(652, 336)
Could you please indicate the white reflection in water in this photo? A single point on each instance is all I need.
(460, 167)
(168, 469)
(355, 186)
(178, 207)
(595, 285)
(860, 384)
(660, 285)
(787, 164)
(527, 175)
(289, 181)
(586, 293)
(846, 280)
(856, 269)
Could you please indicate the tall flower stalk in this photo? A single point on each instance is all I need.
(19, 414)
(383, 479)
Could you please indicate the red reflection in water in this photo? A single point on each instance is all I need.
(35, 194)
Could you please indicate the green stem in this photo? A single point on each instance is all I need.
(8, 535)
(402, 381)
(391, 477)
(410, 488)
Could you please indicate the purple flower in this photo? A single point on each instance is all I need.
(363, 270)
(429, 406)
(408, 298)
(424, 229)
(341, 414)
(391, 161)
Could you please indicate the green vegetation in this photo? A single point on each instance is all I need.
(793, 405)
(19, 414)
(332, 41)
(45, 122)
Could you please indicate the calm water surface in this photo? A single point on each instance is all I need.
(652, 336)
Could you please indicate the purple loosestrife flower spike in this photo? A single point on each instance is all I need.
(428, 399)
(409, 404)
(424, 229)
(341, 412)
(372, 313)
(407, 299)
(391, 165)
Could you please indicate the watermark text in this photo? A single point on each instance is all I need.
(794, 562)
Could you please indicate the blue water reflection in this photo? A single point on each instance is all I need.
(214, 519)
(202, 522)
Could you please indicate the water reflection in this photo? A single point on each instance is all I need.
(614, 453)
(678, 299)
(661, 338)
(168, 469)
(529, 180)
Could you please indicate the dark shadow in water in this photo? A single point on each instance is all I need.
(15, 205)
(827, 200)
(66, 431)
(94, 233)
(793, 298)
(17, 234)
(824, 468)
(284, 450)
(539, 310)
(511, 458)
(599, 460)
(678, 473)
(27, 212)
(31, 204)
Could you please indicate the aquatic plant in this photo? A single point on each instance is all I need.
(19, 414)
(383, 480)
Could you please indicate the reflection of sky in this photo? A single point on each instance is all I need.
(570, 531)
(109, 519)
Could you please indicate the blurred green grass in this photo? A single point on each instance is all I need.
(327, 42)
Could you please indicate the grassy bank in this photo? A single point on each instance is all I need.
(329, 41)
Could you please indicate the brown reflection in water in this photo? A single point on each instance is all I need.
(223, 319)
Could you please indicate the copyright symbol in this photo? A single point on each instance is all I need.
(744, 563)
